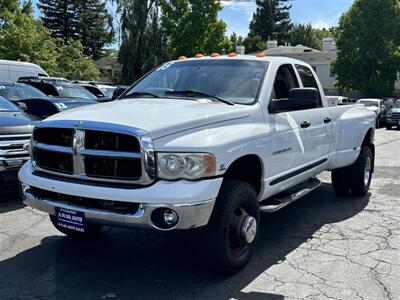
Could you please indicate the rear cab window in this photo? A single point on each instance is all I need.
(308, 79)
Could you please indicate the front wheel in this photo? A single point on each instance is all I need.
(388, 127)
(232, 230)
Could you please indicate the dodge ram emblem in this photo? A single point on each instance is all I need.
(77, 123)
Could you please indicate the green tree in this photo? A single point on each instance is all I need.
(368, 42)
(192, 27)
(61, 18)
(235, 41)
(23, 38)
(85, 20)
(26, 39)
(306, 35)
(254, 44)
(143, 43)
(271, 20)
(95, 26)
(73, 64)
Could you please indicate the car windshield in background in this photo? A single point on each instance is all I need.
(6, 106)
(235, 80)
(74, 91)
(20, 92)
(369, 103)
(109, 91)
(396, 104)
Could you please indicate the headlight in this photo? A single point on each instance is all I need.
(389, 114)
(173, 166)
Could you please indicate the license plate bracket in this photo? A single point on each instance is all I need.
(70, 219)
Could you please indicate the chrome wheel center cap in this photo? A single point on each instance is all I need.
(249, 229)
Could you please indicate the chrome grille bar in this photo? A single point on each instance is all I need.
(78, 151)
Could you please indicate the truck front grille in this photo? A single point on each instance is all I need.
(396, 116)
(12, 152)
(93, 151)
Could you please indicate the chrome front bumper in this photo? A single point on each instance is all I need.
(192, 215)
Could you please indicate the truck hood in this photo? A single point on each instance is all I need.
(159, 117)
(15, 123)
(373, 108)
(395, 110)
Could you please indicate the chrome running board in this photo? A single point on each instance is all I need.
(282, 200)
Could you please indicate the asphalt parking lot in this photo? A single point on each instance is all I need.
(322, 247)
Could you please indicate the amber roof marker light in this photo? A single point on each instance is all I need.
(182, 57)
(199, 55)
(233, 54)
(215, 55)
(261, 55)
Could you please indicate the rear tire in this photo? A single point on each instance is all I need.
(90, 230)
(361, 172)
(355, 179)
(232, 230)
(340, 181)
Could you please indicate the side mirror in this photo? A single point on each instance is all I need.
(299, 99)
(118, 92)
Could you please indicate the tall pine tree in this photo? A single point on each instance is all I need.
(61, 18)
(87, 21)
(95, 26)
(271, 20)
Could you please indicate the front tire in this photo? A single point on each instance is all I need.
(388, 127)
(232, 230)
(90, 230)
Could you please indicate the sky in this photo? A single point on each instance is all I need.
(320, 13)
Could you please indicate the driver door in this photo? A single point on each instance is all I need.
(289, 135)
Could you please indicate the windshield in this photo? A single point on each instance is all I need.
(7, 106)
(234, 80)
(369, 103)
(396, 104)
(74, 91)
(109, 91)
(20, 92)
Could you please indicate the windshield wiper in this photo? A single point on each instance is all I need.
(200, 93)
(138, 94)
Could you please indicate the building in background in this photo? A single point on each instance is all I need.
(109, 68)
(319, 60)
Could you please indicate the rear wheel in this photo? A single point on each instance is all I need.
(90, 229)
(355, 179)
(233, 227)
(340, 181)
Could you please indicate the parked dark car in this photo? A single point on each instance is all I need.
(58, 87)
(99, 93)
(35, 103)
(15, 132)
(393, 116)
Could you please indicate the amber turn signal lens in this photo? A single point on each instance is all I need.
(182, 57)
(215, 55)
(260, 55)
(232, 54)
(199, 55)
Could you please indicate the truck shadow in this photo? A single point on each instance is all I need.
(126, 264)
(10, 202)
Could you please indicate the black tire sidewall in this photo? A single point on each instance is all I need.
(356, 173)
(232, 195)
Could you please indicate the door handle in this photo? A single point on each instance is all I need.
(305, 124)
(327, 120)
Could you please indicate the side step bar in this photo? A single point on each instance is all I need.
(288, 197)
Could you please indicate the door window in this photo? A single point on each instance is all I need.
(285, 81)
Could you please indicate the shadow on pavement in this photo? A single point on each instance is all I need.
(130, 264)
(10, 201)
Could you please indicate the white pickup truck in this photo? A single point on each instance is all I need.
(199, 143)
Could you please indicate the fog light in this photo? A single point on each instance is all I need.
(164, 218)
(170, 217)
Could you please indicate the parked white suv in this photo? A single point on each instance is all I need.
(207, 142)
